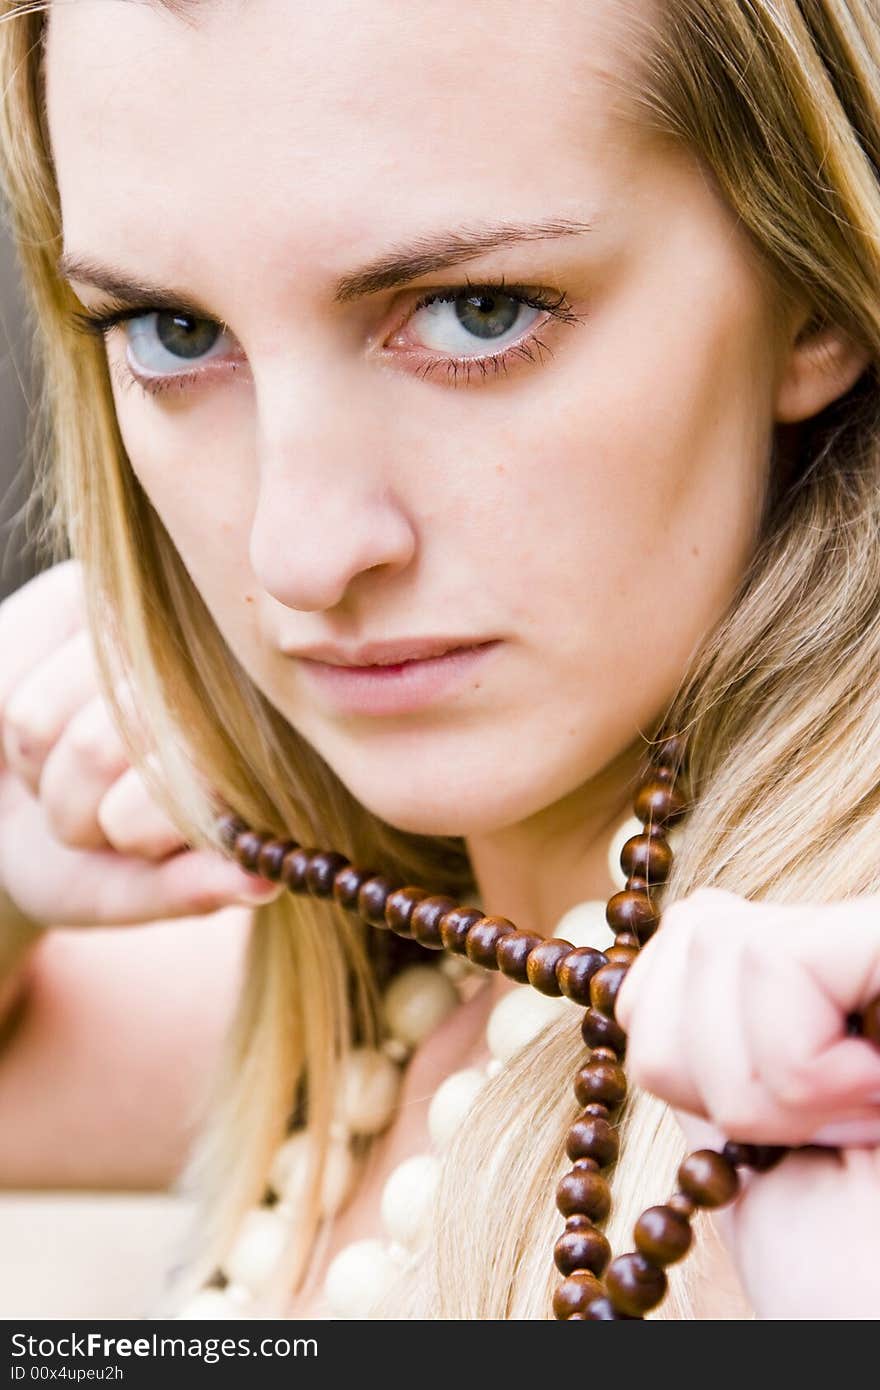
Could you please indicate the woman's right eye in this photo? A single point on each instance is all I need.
(164, 344)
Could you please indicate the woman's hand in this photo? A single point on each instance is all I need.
(81, 840)
(736, 1014)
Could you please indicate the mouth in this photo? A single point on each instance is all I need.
(396, 687)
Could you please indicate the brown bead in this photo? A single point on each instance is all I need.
(603, 1310)
(584, 1194)
(575, 971)
(483, 939)
(634, 1284)
(600, 1081)
(626, 940)
(578, 1222)
(513, 952)
(682, 1203)
(648, 857)
(399, 907)
(637, 883)
(598, 1030)
(761, 1157)
(424, 924)
(632, 912)
(575, 1293)
(294, 866)
(542, 964)
(348, 883)
(591, 1136)
(604, 987)
(454, 928)
(247, 848)
(871, 1022)
(621, 955)
(322, 870)
(271, 858)
(228, 828)
(372, 899)
(708, 1178)
(585, 1248)
(669, 753)
(659, 803)
(663, 1235)
(585, 1165)
(597, 1109)
(603, 1054)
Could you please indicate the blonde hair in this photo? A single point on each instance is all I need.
(780, 102)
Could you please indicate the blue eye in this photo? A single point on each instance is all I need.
(161, 341)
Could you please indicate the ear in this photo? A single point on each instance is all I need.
(823, 362)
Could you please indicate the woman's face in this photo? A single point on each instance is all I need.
(577, 479)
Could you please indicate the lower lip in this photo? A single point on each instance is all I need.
(398, 689)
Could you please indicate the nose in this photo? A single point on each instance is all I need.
(326, 512)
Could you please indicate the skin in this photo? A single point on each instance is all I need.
(595, 512)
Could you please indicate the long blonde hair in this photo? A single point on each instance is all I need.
(780, 101)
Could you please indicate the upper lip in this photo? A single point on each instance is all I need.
(385, 653)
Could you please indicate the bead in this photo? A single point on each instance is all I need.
(663, 1235)
(575, 971)
(871, 1022)
(604, 987)
(271, 858)
(584, 1248)
(597, 1109)
(603, 1310)
(455, 925)
(597, 1030)
(682, 1203)
(634, 1284)
(407, 1199)
(600, 1081)
(585, 924)
(358, 1277)
(670, 753)
(593, 1137)
(708, 1178)
(288, 1175)
(483, 938)
(399, 906)
(348, 883)
(247, 847)
(583, 1194)
(322, 870)
(658, 803)
(417, 1001)
(228, 829)
(648, 857)
(451, 1102)
(512, 954)
(370, 1085)
(603, 1054)
(626, 940)
(209, 1304)
(625, 831)
(761, 1157)
(293, 868)
(575, 1293)
(633, 912)
(518, 1018)
(254, 1257)
(424, 924)
(542, 963)
(621, 955)
(372, 898)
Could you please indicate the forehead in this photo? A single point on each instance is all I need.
(348, 114)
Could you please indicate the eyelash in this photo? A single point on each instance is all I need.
(555, 303)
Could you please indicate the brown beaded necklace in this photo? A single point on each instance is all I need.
(594, 1287)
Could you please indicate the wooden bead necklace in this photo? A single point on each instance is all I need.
(593, 1287)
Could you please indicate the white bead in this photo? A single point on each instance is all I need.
(407, 1199)
(451, 1102)
(519, 1017)
(258, 1246)
(368, 1091)
(358, 1277)
(288, 1174)
(458, 968)
(625, 831)
(416, 1001)
(585, 925)
(209, 1303)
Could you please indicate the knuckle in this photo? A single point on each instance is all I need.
(92, 739)
(794, 1087)
(27, 725)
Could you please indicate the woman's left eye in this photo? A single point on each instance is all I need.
(163, 343)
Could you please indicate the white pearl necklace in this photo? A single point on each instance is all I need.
(414, 1004)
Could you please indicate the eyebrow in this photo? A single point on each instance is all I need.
(393, 269)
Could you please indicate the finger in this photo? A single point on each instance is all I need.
(34, 621)
(657, 1057)
(859, 1133)
(43, 703)
(133, 823)
(839, 943)
(79, 771)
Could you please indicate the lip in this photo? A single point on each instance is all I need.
(396, 687)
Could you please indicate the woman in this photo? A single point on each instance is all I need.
(549, 337)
